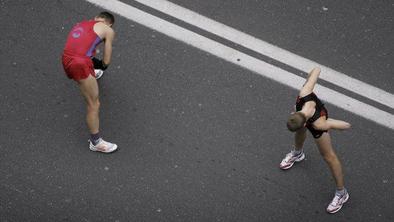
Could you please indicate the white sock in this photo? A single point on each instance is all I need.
(340, 192)
(297, 152)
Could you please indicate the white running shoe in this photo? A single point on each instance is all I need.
(290, 159)
(337, 203)
(103, 146)
(99, 73)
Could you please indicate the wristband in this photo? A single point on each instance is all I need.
(99, 64)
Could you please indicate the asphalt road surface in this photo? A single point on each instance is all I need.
(200, 139)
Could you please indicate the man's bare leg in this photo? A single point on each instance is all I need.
(90, 92)
(329, 155)
(299, 139)
(297, 154)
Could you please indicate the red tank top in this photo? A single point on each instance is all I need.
(82, 40)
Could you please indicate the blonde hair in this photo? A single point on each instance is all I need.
(296, 121)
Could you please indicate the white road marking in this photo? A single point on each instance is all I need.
(229, 54)
(270, 50)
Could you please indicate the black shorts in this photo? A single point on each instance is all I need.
(317, 133)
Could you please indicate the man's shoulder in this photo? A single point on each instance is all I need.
(102, 30)
(309, 109)
(103, 27)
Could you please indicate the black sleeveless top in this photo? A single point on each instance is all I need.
(320, 110)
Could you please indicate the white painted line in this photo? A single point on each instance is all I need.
(270, 50)
(347, 103)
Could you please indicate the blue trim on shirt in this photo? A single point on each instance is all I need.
(93, 47)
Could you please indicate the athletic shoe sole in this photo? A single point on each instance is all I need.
(91, 147)
(115, 149)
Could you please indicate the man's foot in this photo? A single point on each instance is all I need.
(337, 203)
(290, 159)
(98, 73)
(103, 146)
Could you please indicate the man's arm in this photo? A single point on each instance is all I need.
(331, 124)
(310, 82)
(109, 38)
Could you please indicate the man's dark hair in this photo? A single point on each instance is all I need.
(107, 16)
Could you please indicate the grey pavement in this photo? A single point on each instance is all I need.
(199, 139)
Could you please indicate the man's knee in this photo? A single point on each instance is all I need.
(94, 104)
(330, 157)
